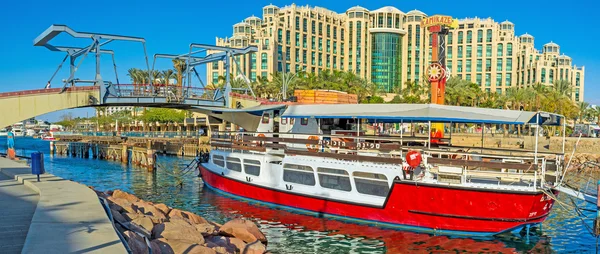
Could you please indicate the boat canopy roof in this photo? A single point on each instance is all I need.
(421, 113)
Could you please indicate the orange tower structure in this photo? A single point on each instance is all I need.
(438, 26)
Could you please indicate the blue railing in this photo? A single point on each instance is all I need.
(141, 134)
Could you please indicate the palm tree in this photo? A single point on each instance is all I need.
(563, 87)
(595, 114)
(583, 110)
(167, 75)
(180, 67)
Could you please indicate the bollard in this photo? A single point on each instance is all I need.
(597, 221)
(37, 164)
(51, 147)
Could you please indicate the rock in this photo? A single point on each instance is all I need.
(177, 231)
(155, 247)
(163, 208)
(136, 243)
(168, 246)
(132, 216)
(123, 203)
(245, 230)
(148, 209)
(117, 216)
(109, 192)
(221, 250)
(139, 229)
(145, 222)
(232, 245)
(124, 195)
(206, 229)
(195, 219)
(254, 248)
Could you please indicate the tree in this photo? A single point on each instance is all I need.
(595, 114)
(166, 76)
(583, 110)
(180, 67)
(163, 115)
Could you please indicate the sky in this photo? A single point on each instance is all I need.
(170, 26)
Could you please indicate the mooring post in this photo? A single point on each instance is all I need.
(124, 158)
(597, 221)
(51, 148)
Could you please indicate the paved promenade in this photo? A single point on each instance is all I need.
(68, 217)
(17, 205)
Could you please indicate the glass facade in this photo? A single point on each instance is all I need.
(386, 61)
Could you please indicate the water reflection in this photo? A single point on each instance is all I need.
(294, 233)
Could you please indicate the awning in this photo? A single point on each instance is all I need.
(247, 118)
(420, 113)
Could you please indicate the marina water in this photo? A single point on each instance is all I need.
(288, 232)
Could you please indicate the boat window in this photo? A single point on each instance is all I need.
(334, 179)
(371, 184)
(265, 118)
(219, 160)
(300, 174)
(234, 164)
(304, 121)
(252, 167)
(284, 120)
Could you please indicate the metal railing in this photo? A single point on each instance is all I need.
(173, 92)
(141, 134)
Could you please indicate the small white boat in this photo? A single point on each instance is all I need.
(30, 132)
(18, 132)
(3, 132)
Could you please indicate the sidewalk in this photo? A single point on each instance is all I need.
(17, 205)
(68, 217)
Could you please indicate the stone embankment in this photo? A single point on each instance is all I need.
(169, 230)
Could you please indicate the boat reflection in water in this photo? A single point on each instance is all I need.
(331, 236)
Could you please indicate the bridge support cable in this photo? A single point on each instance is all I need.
(58, 69)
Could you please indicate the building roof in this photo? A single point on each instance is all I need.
(506, 22)
(271, 6)
(242, 24)
(416, 12)
(253, 18)
(563, 56)
(357, 8)
(527, 35)
(551, 44)
(388, 9)
(420, 113)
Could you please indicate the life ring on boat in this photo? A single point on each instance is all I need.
(311, 147)
(413, 158)
(260, 142)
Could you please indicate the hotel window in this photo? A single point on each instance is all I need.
(528, 76)
(264, 74)
(336, 179)
(468, 65)
(488, 90)
(342, 48)
(500, 49)
(334, 60)
(342, 34)
(320, 44)
(300, 174)
(253, 61)
(252, 167)
(328, 31)
(479, 51)
(313, 61)
(488, 50)
(335, 48)
(478, 79)
(469, 51)
(460, 37)
(304, 40)
(297, 39)
(218, 160)
(488, 79)
(478, 68)
(320, 59)
(313, 42)
(327, 61)
(460, 51)
(297, 55)
(253, 76)
(469, 36)
(577, 80)
(215, 65)
(371, 183)
(279, 35)
(313, 26)
(576, 94)
(449, 52)
(449, 65)
(304, 25)
(488, 35)
(297, 23)
(304, 56)
(499, 65)
(320, 28)
(499, 79)
(234, 164)
(459, 66)
(479, 36)
(488, 64)
(328, 45)
(499, 90)
(263, 61)
(509, 49)
(543, 75)
(508, 79)
(334, 33)
(468, 77)
(551, 78)
(215, 78)
(508, 64)
(449, 38)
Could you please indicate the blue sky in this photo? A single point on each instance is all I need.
(170, 26)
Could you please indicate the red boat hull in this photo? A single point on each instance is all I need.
(419, 207)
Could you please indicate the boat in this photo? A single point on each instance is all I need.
(30, 133)
(3, 132)
(48, 136)
(283, 156)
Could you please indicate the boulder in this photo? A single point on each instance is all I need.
(206, 229)
(177, 231)
(124, 195)
(232, 245)
(254, 248)
(221, 250)
(144, 222)
(123, 203)
(132, 216)
(163, 208)
(118, 216)
(148, 209)
(139, 229)
(168, 246)
(245, 230)
(195, 219)
(136, 243)
(155, 247)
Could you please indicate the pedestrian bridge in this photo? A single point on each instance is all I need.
(21, 105)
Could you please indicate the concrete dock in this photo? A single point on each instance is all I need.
(51, 216)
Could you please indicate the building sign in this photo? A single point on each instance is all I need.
(439, 20)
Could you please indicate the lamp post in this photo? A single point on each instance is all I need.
(286, 79)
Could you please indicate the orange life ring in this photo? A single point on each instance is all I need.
(260, 143)
(311, 147)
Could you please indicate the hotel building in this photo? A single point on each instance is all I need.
(389, 47)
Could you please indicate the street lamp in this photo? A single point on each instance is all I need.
(286, 79)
